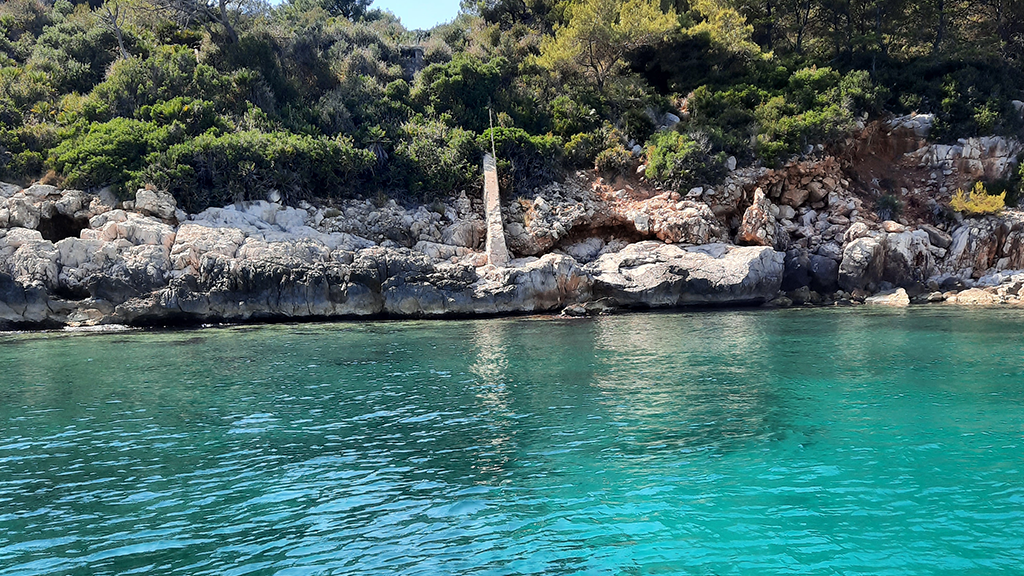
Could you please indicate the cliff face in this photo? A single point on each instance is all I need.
(812, 232)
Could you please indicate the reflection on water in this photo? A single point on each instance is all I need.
(703, 384)
(728, 443)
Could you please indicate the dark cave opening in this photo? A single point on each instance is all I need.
(60, 227)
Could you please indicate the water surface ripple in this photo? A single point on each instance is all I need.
(747, 442)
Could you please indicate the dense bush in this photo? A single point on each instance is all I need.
(319, 97)
(219, 169)
(524, 161)
(679, 160)
(433, 157)
(109, 153)
(464, 88)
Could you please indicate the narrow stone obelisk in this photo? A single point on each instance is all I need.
(497, 252)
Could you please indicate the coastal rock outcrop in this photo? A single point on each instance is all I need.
(652, 274)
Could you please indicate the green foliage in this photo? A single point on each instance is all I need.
(167, 73)
(434, 157)
(74, 52)
(568, 116)
(970, 96)
(679, 160)
(614, 160)
(218, 169)
(195, 116)
(324, 96)
(463, 88)
(524, 160)
(815, 105)
(108, 153)
(889, 207)
(582, 149)
(598, 34)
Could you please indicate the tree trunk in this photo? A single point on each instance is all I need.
(225, 21)
(940, 30)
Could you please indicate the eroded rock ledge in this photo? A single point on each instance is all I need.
(153, 264)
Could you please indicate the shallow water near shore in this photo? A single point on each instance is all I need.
(729, 442)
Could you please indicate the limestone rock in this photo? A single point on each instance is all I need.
(897, 298)
(537, 285)
(21, 304)
(40, 191)
(974, 297)
(688, 223)
(857, 230)
(936, 237)
(7, 190)
(655, 274)
(159, 204)
(862, 265)
(819, 273)
(585, 251)
(975, 244)
(758, 227)
(465, 233)
(438, 252)
(907, 258)
(795, 197)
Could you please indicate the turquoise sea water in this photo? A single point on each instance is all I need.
(712, 443)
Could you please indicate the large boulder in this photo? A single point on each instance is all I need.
(908, 258)
(465, 233)
(656, 275)
(896, 298)
(819, 273)
(159, 204)
(21, 304)
(862, 265)
(685, 223)
(976, 244)
(529, 285)
(974, 297)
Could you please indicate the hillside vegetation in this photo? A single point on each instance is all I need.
(225, 100)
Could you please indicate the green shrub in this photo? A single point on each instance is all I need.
(108, 153)
(524, 161)
(168, 72)
(615, 160)
(196, 116)
(463, 88)
(22, 151)
(888, 207)
(569, 117)
(582, 149)
(75, 52)
(678, 160)
(434, 157)
(212, 169)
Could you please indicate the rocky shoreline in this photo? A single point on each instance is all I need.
(156, 265)
(799, 235)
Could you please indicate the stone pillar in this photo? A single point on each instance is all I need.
(497, 253)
